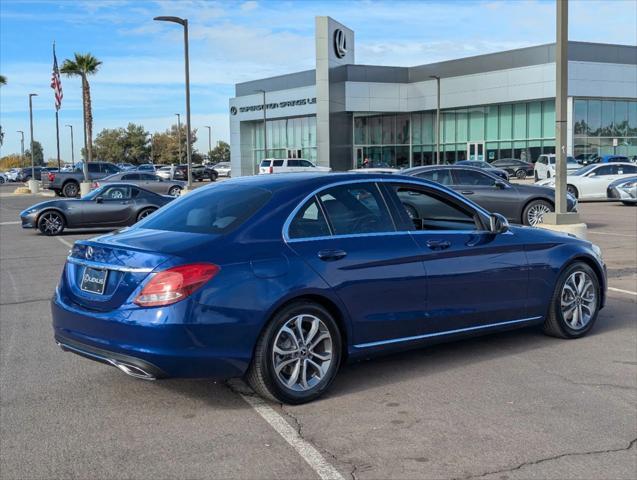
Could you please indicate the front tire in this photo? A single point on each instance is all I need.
(51, 223)
(520, 174)
(575, 303)
(297, 355)
(572, 190)
(174, 191)
(534, 212)
(630, 204)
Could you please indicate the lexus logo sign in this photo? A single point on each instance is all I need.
(340, 43)
(233, 110)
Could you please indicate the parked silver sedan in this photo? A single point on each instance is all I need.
(149, 181)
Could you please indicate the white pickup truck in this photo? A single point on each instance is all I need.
(288, 165)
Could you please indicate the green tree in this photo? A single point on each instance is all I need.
(82, 66)
(166, 145)
(221, 153)
(3, 80)
(123, 145)
(38, 157)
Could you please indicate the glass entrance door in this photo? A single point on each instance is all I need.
(475, 151)
(294, 153)
(359, 157)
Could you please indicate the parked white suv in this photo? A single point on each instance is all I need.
(287, 165)
(545, 166)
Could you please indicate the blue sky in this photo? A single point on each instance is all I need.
(141, 79)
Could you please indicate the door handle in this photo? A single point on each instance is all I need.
(330, 255)
(438, 244)
(467, 192)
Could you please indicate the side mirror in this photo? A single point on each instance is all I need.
(99, 200)
(500, 185)
(498, 224)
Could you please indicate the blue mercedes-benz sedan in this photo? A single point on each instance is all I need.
(281, 278)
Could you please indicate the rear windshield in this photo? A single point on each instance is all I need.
(219, 209)
(265, 163)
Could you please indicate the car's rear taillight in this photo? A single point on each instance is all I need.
(271, 169)
(95, 185)
(175, 284)
(51, 177)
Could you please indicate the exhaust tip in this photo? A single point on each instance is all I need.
(133, 370)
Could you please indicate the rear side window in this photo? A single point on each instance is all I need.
(309, 222)
(277, 163)
(217, 210)
(442, 176)
(93, 167)
(469, 177)
(131, 176)
(355, 209)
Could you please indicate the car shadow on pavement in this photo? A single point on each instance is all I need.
(431, 360)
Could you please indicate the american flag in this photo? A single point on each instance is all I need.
(56, 84)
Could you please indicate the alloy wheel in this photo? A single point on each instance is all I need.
(578, 300)
(174, 191)
(51, 223)
(536, 213)
(144, 214)
(302, 352)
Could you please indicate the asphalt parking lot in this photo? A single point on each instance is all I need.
(508, 406)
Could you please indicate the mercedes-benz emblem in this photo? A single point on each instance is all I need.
(89, 253)
(233, 110)
(340, 43)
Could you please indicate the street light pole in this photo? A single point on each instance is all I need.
(72, 149)
(209, 141)
(184, 23)
(179, 135)
(32, 182)
(437, 118)
(561, 60)
(21, 145)
(265, 126)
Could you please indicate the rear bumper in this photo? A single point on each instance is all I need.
(150, 340)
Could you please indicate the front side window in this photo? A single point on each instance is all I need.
(441, 176)
(305, 163)
(131, 176)
(356, 209)
(116, 192)
(294, 163)
(309, 222)
(93, 167)
(605, 170)
(470, 177)
(429, 211)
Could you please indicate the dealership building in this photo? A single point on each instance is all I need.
(499, 105)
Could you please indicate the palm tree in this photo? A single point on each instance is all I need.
(83, 66)
(3, 80)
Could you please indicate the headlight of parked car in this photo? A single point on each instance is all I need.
(596, 250)
(628, 185)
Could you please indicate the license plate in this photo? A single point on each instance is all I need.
(94, 280)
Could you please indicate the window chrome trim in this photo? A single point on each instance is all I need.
(439, 334)
(398, 179)
(108, 266)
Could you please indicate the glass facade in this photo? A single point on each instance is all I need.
(522, 130)
(287, 138)
(603, 127)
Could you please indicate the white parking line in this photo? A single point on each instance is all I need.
(68, 244)
(310, 454)
(627, 292)
(612, 234)
(9, 223)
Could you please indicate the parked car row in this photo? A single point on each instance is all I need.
(342, 267)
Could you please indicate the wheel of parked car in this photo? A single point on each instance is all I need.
(51, 223)
(520, 174)
(572, 190)
(575, 303)
(297, 355)
(144, 213)
(174, 191)
(630, 204)
(1, 180)
(71, 189)
(535, 176)
(534, 212)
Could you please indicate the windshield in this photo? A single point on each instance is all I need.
(218, 210)
(583, 170)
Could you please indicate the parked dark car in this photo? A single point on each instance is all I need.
(522, 204)
(25, 174)
(112, 205)
(485, 166)
(146, 167)
(514, 167)
(67, 184)
(335, 269)
(613, 159)
(199, 173)
(148, 181)
(624, 190)
(586, 158)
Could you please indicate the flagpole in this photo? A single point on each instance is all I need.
(57, 124)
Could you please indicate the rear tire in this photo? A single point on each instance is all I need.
(575, 303)
(71, 189)
(51, 223)
(144, 213)
(534, 212)
(286, 354)
(520, 174)
(572, 190)
(174, 191)
(535, 176)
